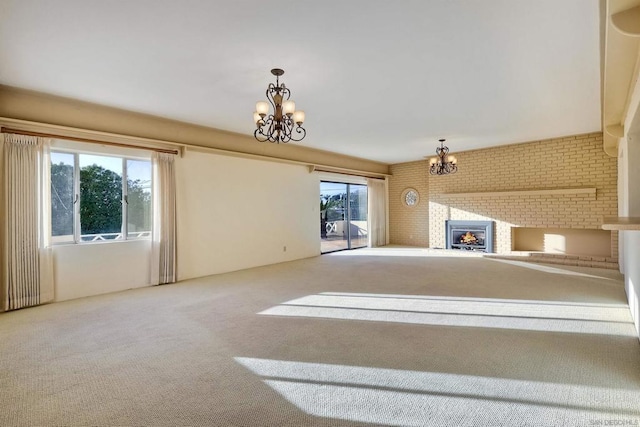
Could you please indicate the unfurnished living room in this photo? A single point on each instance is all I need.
(329, 213)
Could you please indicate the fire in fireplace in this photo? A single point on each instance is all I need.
(469, 239)
(469, 235)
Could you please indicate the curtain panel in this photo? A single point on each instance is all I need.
(163, 240)
(27, 268)
(377, 212)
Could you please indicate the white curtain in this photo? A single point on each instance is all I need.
(377, 192)
(163, 257)
(27, 267)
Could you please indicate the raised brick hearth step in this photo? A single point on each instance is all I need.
(561, 259)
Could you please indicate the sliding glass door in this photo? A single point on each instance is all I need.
(343, 216)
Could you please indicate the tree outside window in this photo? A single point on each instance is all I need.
(95, 202)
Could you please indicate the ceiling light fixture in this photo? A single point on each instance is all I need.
(279, 126)
(443, 164)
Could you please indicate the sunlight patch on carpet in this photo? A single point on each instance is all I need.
(547, 316)
(412, 398)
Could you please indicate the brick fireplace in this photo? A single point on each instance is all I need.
(560, 185)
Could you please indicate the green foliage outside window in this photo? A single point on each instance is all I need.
(61, 199)
(100, 201)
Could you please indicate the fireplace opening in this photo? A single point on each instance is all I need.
(469, 235)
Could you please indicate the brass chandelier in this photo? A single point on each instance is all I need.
(443, 164)
(285, 123)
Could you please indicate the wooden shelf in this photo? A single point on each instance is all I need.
(554, 192)
(621, 223)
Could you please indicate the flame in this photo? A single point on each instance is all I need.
(468, 238)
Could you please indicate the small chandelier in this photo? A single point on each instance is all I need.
(279, 126)
(443, 164)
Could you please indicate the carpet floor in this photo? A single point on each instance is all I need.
(372, 337)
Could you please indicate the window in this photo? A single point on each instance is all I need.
(98, 197)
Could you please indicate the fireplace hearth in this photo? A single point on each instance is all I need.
(469, 235)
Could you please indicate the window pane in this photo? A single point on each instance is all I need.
(61, 197)
(100, 197)
(358, 215)
(139, 198)
(333, 220)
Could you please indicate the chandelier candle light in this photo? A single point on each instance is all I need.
(279, 126)
(443, 164)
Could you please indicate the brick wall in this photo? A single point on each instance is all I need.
(561, 163)
(409, 225)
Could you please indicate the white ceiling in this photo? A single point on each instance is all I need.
(383, 80)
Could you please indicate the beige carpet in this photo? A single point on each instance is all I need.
(400, 337)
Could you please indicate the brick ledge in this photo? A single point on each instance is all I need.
(561, 259)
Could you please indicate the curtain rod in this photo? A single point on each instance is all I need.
(183, 147)
(350, 172)
(92, 141)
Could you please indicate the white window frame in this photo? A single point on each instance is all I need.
(77, 225)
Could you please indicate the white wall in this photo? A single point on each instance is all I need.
(629, 206)
(97, 268)
(236, 213)
(233, 213)
(632, 274)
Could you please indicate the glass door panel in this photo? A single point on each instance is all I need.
(343, 216)
(358, 234)
(334, 235)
